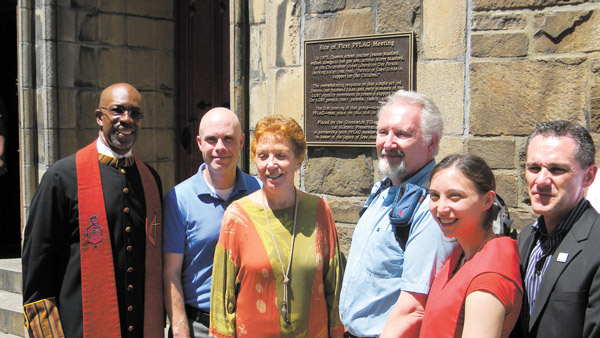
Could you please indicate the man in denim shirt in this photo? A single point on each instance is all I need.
(382, 278)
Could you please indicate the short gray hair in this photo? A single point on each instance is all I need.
(431, 118)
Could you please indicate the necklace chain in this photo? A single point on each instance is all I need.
(286, 273)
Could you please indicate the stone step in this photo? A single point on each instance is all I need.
(11, 313)
(11, 279)
(6, 335)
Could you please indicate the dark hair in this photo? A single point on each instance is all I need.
(477, 171)
(585, 153)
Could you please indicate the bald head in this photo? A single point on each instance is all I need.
(219, 116)
(220, 140)
(120, 91)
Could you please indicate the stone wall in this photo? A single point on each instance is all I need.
(494, 68)
(69, 51)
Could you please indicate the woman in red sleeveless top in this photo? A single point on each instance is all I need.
(478, 291)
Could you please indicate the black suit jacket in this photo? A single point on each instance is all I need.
(568, 301)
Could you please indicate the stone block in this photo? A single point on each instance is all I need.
(148, 105)
(164, 35)
(68, 53)
(324, 6)
(259, 103)
(166, 170)
(345, 232)
(139, 32)
(165, 70)
(67, 146)
(164, 9)
(86, 67)
(165, 141)
(288, 81)
(110, 29)
(499, 45)
(112, 64)
(521, 218)
(151, 8)
(258, 56)
(399, 16)
(26, 110)
(140, 68)
(595, 113)
(67, 108)
(510, 97)
(140, 7)
(596, 138)
(488, 5)
(84, 4)
(87, 27)
(86, 136)
(346, 209)
(339, 171)
(145, 145)
(358, 4)
(112, 6)
(66, 20)
(45, 51)
(450, 145)
(88, 103)
(353, 23)
(165, 109)
(498, 21)
(499, 153)
(444, 26)
(444, 83)
(283, 27)
(567, 32)
(257, 9)
(508, 187)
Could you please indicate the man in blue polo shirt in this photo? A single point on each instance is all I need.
(386, 280)
(193, 211)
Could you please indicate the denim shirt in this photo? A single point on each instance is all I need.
(378, 268)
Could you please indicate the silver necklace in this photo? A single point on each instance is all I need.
(286, 273)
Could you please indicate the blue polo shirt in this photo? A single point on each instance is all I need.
(378, 269)
(192, 216)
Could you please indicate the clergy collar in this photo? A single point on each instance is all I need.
(105, 150)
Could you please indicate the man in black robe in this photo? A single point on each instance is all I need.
(52, 251)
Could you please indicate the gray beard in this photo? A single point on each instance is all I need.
(396, 172)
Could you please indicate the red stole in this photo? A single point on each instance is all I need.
(447, 296)
(99, 295)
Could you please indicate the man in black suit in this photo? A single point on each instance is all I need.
(559, 252)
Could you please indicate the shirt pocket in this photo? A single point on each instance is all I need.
(383, 256)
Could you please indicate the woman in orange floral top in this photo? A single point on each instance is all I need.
(277, 269)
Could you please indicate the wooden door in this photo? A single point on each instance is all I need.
(203, 73)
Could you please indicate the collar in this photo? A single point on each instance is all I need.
(565, 225)
(105, 150)
(201, 187)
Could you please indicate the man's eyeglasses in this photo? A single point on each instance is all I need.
(118, 112)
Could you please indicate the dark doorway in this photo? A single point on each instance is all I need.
(10, 213)
(203, 72)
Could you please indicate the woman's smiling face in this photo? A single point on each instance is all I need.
(276, 162)
(456, 204)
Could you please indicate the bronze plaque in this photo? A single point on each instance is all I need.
(345, 81)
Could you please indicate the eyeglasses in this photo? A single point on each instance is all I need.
(118, 112)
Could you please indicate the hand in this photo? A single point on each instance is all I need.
(3, 167)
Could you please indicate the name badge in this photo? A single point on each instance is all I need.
(562, 257)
